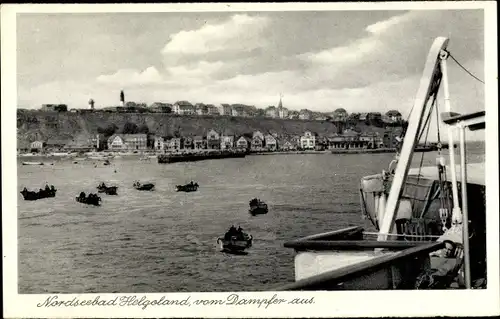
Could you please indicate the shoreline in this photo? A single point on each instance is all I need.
(106, 155)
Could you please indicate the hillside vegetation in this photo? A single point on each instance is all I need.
(40, 125)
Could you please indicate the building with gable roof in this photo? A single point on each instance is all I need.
(183, 108)
(213, 139)
(244, 143)
(129, 142)
(394, 115)
(271, 142)
(308, 140)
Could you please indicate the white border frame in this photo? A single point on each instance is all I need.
(338, 304)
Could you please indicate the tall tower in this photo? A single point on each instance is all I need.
(91, 104)
(122, 98)
(280, 111)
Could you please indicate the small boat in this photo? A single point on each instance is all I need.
(42, 193)
(107, 162)
(32, 163)
(191, 187)
(91, 199)
(144, 187)
(257, 207)
(109, 190)
(235, 241)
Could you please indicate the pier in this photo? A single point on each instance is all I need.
(200, 156)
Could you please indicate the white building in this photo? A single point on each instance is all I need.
(308, 140)
(183, 108)
(225, 109)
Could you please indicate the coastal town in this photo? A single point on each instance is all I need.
(383, 133)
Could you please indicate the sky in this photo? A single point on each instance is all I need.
(358, 60)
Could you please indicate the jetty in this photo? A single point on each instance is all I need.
(379, 150)
(198, 156)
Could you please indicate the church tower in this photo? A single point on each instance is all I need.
(282, 112)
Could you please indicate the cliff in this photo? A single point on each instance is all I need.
(42, 125)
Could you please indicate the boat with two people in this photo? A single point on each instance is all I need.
(42, 193)
(235, 241)
(425, 237)
(108, 190)
(143, 187)
(91, 199)
(257, 207)
(190, 187)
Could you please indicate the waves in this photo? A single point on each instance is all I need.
(163, 241)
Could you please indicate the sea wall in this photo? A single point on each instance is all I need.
(42, 125)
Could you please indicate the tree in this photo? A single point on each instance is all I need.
(143, 129)
(150, 142)
(130, 128)
(260, 113)
(108, 130)
(177, 132)
(353, 118)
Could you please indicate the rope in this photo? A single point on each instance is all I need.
(426, 124)
(460, 65)
(437, 122)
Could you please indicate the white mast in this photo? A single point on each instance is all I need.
(456, 213)
(427, 83)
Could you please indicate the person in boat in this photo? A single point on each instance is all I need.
(233, 231)
(82, 195)
(47, 188)
(52, 188)
(25, 190)
(230, 233)
(239, 233)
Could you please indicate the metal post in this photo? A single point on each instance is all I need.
(463, 179)
(456, 214)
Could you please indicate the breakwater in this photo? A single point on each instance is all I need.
(378, 150)
(194, 157)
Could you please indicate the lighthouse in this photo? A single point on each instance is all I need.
(122, 98)
(91, 104)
